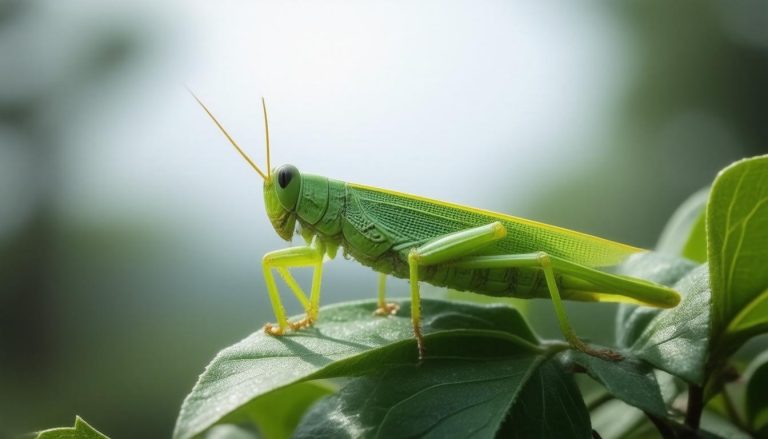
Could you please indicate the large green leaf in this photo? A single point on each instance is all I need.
(81, 430)
(514, 389)
(685, 235)
(737, 229)
(345, 341)
(676, 340)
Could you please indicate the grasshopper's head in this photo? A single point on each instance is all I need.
(281, 195)
(281, 186)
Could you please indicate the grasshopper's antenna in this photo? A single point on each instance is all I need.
(231, 140)
(266, 130)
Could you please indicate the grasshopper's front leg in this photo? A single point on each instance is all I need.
(282, 260)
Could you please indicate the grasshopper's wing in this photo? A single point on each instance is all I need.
(411, 218)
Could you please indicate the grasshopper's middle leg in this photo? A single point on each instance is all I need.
(282, 260)
(385, 308)
(445, 248)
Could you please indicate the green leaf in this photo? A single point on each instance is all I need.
(685, 235)
(465, 396)
(630, 380)
(664, 269)
(737, 229)
(676, 340)
(549, 407)
(756, 403)
(456, 397)
(81, 430)
(346, 339)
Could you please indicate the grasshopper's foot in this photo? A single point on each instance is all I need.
(271, 329)
(420, 344)
(605, 354)
(303, 323)
(388, 309)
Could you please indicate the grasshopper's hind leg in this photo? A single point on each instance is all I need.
(282, 260)
(385, 308)
(457, 249)
(544, 262)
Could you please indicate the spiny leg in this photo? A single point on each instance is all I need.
(282, 260)
(445, 248)
(385, 309)
(544, 262)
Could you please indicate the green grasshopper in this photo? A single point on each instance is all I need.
(437, 242)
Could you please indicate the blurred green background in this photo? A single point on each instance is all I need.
(131, 233)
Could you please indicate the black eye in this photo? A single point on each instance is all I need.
(284, 177)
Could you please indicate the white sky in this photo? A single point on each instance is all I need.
(452, 100)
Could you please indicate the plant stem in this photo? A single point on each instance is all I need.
(695, 406)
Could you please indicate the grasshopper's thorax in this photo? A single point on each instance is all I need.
(311, 200)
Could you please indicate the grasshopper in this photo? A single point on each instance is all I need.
(441, 243)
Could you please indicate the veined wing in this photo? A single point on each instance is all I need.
(414, 218)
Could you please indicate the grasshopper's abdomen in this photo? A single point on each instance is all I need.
(502, 282)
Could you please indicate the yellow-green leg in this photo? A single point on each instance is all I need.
(456, 249)
(546, 263)
(384, 308)
(441, 250)
(282, 260)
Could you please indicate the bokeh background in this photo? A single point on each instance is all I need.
(131, 233)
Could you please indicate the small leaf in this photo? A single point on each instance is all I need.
(81, 430)
(737, 229)
(345, 337)
(676, 340)
(756, 404)
(685, 235)
(751, 321)
(630, 380)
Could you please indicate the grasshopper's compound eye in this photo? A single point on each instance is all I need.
(288, 186)
(284, 176)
